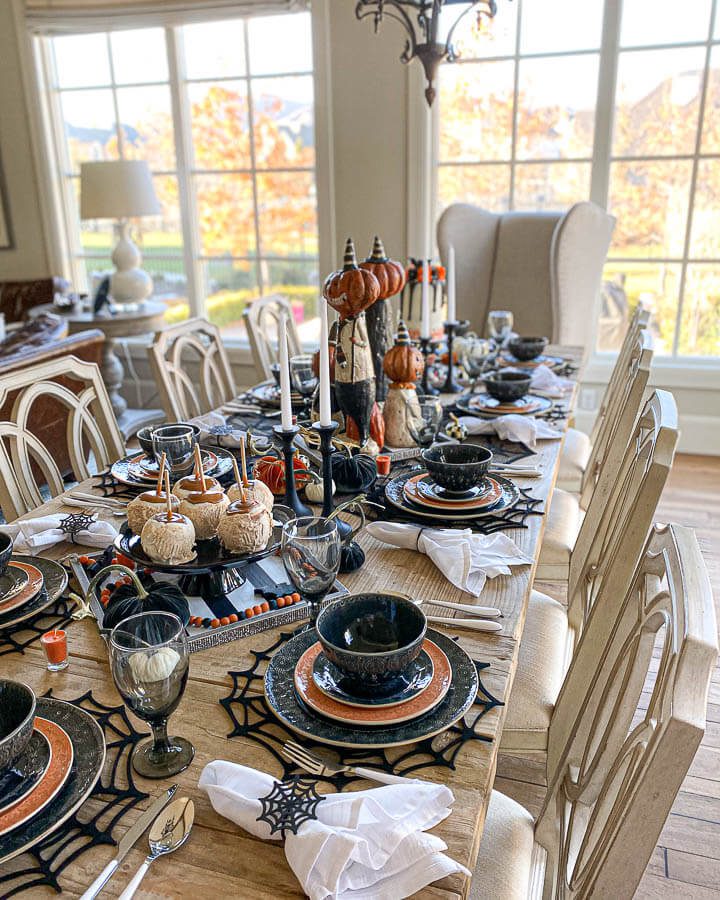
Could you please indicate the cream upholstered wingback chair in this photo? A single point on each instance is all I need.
(610, 542)
(616, 758)
(545, 267)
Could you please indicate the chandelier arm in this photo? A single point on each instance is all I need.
(489, 11)
(391, 9)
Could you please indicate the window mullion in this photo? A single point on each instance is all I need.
(253, 162)
(516, 86)
(186, 188)
(693, 180)
(605, 103)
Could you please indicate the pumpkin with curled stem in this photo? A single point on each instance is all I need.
(354, 473)
(351, 290)
(389, 272)
(271, 471)
(403, 363)
(131, 599)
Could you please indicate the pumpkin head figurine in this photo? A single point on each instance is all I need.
(351, 290)
(389, 273)
(403, 363)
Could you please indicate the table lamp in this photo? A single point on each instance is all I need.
(121, 189)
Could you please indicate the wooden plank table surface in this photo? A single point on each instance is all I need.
(221, 860)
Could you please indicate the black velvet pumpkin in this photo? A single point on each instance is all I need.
(131, 599)
(353, 474)
(352, 556)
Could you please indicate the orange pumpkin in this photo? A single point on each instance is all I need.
(271, 471)
(351, 290)
(389, 272)
(377, 427)
(403, 362)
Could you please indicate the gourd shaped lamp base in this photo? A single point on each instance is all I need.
(129, 284)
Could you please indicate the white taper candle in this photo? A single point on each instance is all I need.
(325, 407)
(451, 312)
(285, 403)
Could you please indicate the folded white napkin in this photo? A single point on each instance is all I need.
(544, 379)
(526, 429)
(467, 560)
(362, 846)
(38, 534)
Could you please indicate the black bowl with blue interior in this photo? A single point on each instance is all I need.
(457, 467)
(372, 638)
(17, 714)
(527, 348)
(6, 549)
(506, 386)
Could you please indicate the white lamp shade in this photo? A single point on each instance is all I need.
(117, 189)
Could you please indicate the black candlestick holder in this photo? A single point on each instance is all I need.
(326, 449)
(287, 436)
(450, 386)
(427, 346)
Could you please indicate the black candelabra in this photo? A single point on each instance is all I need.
(427, 346)
(287, 436)
(450, 386)
(326, 449)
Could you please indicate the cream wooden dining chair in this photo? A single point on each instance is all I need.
(566, 513)
(610, 542)
(576, 469)
(616, 758)
(80, 401)
(191, 369)
(262, 317)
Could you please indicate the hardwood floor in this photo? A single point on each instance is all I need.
(686, 861)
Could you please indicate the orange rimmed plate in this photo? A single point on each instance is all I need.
(51, 782)
(362, 716)
(31, 589)
(420, 489)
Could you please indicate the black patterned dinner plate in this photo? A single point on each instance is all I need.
(487, 407)
(88, 759)
(552, 362)
(267, 393)
(331, 681)
(395, 495)
(290, 710)
(12, 581)
(123, 470)
(20, 778)
(55, 581)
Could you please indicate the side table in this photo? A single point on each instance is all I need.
(147, 319)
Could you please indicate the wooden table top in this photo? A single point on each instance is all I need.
(221, 860)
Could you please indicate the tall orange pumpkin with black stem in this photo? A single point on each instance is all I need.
(351, 291)
(391, 276)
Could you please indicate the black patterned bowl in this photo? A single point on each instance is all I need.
(507, 385)
(372, 637)
(6, 549)
(457, 467)
(527, 348)
(17, 713)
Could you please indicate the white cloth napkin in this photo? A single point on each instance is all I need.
(467, 560)
(38, 534)
(526, 429)
(362, 846)
(544, 379)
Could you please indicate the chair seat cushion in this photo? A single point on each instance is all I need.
(573, 460)
(545, 652)
(561, 531)
(505, 859)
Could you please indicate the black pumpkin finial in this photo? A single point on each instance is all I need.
(378, 251)
(350, 260)
(403, 335)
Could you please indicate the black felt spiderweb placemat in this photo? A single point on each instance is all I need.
(252, 718)
(116, 792)
(17, 638)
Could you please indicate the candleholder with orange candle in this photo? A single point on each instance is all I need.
(55, 646)
(382, 461)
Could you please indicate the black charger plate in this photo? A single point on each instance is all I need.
(26, 770)
(88, 759)
(55, 580)
(396, 497)
(283, 701)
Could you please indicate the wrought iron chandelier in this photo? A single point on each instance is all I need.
(421, 20)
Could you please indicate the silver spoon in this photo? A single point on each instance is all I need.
(168, 832)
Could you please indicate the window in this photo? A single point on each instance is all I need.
(526, 123)
(223, 113)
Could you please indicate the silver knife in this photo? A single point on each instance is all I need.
(128, 840)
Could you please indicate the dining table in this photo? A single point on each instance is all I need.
(220, 859)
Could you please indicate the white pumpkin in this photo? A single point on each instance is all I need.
(154, 665)
(315, 490)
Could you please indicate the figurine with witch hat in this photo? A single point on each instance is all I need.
(350, 291)
(403, 365)
(391, 276)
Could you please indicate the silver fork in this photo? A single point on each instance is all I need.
(317, 765)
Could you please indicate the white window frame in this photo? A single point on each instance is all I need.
(68, 257)
(672, 370)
